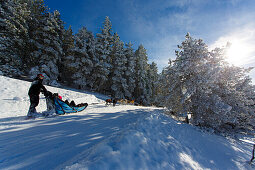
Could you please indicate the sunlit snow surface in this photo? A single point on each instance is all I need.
(106, 137)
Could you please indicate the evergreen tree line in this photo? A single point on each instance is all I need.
(33, 40)
(198, 82)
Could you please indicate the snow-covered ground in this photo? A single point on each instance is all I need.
(106, 137)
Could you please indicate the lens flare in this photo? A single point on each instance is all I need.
(238, 53)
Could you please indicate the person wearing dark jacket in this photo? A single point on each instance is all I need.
(34, 92)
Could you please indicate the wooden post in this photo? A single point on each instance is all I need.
(252, 154)
(253, 143)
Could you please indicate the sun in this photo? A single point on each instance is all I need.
(237, 53)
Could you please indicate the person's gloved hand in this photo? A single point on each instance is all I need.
(47, 93)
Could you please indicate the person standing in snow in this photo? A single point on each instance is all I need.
(114, 101)
(34, 92)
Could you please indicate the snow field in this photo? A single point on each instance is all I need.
(106, 137)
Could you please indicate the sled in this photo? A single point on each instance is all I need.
(63, 108)
(58, 106)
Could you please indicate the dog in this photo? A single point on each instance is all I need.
(108, 101)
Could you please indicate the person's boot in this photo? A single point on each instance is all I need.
(31, 112)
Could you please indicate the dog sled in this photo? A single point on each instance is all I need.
(60, 107)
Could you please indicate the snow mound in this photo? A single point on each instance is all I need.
(158, 142)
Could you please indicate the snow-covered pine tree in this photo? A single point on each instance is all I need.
(104, 63)
(247, 121)
(47, 42)
(187, 75)
(152, 79)
(35, 23)
(130, 70)
(65, 71)
(141, 67)
(162, 87)
(230, 105)
(204, 85)
(91, 51)
(13, 36)
(235, 90)
(118, 81)
(82, 63)
(59, 42)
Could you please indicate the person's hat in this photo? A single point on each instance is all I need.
(40, 76)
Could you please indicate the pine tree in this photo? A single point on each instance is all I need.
(103, 50)
(188, 74)
(204, 85)
(118, 79)
(13, 36)
(91, 51)
(36, 23)
(66, 72)
(130, 70)
(152, 78)
(140, 91)
(60, 40)
(82, 63)
(48, 44)
(162, 87)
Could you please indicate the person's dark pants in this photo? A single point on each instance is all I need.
(34, 101)
(114, 102)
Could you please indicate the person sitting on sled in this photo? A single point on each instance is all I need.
(72, 103)
(34, 92)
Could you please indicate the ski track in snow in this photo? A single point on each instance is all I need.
(106, 137)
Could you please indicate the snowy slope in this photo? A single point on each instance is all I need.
(106, 137)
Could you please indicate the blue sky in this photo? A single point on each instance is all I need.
(160, 25)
